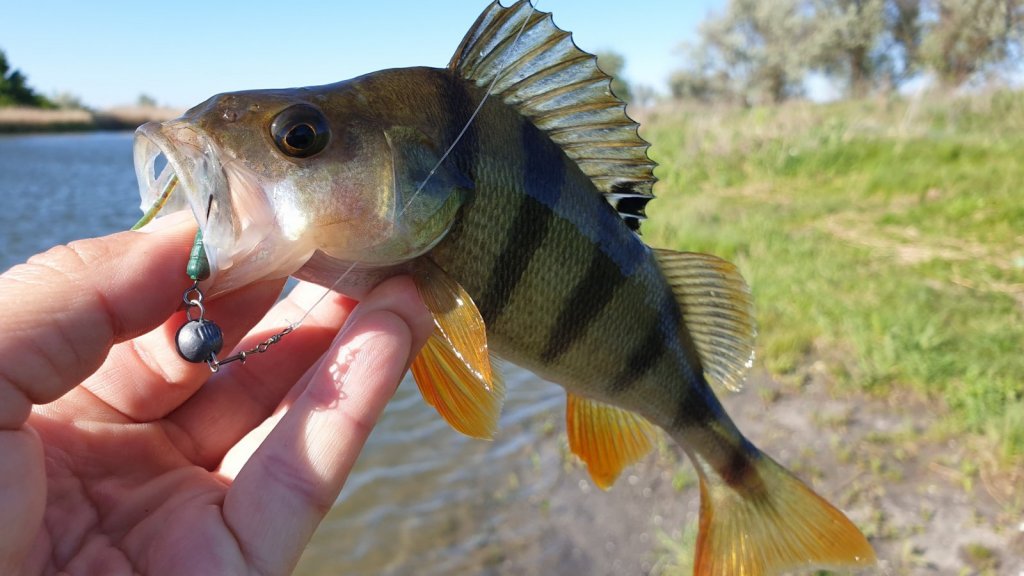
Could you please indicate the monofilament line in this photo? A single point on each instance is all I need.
(458, 138)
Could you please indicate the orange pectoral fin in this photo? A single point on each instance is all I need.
(453, 370)
(605, 437)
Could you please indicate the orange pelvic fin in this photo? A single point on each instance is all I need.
(453, 370)
(605, 437)
(770, 523)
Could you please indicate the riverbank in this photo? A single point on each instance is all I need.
(887, 232)
(533, 510)
(882, 240)
(20, 120)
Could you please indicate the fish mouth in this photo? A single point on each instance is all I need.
(190, 164)
(243, 241)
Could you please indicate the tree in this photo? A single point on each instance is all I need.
(755, 52)
(967, 37)
(68, 101)
(903, 32)
(704, 79)
(14, 89)
(759, 51)
(847, 42)
(867, 44)
(643, 96)
(612, 63)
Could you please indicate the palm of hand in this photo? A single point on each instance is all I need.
(118, 458)
(122, 498)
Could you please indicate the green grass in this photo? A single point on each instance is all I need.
(884, 237)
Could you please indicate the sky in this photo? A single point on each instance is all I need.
(182, 52)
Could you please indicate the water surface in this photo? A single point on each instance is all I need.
(55, 188)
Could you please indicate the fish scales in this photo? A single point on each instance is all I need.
(534, 288)
(517, 224)
(523, 248)
(523, 261)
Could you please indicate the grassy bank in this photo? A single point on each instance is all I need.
(15, 120)
(883, 239)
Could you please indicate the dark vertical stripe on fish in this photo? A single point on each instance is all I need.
(698, 406)
(641, 360)
(543, 175)
(739, 470)
(458, 105)
(589, 297)
(524, 238)
(543, 165)
(732, 456)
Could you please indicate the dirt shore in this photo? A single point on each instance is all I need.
(924, 508)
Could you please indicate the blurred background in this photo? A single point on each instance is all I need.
(859, 160)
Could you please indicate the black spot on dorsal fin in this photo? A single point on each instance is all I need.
(629, 204)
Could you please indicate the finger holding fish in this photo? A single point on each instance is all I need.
(113, 300)
(261, 386)
(256, 388)
(167, 382)
(289, 471)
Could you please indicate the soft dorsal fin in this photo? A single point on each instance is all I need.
(453, 369)
(605, 437)
(718, 311)
(542, 74)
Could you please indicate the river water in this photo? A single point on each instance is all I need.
(422, 499)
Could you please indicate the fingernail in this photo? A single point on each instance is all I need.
(172, 220)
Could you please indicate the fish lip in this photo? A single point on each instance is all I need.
(191, 156)
(237, 216)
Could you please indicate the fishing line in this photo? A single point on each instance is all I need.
(199, 339)
(479, 107)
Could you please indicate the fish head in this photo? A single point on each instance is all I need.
(276, 176)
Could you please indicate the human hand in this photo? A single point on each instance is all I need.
(117, 457)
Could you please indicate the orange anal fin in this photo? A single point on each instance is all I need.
(606, 438)
(773, 525)
(453, 370)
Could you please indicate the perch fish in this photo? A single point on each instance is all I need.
(511, 186)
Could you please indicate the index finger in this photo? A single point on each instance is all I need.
(283, 491)
(69, 305)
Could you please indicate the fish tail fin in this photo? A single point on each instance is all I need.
(769, 522)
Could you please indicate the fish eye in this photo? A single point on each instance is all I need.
(300, 131)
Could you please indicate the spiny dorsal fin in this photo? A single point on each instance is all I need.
(543, 75)
(605, 437)
(453, 369)
(718, 311)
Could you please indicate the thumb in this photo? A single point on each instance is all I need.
(73, 302)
